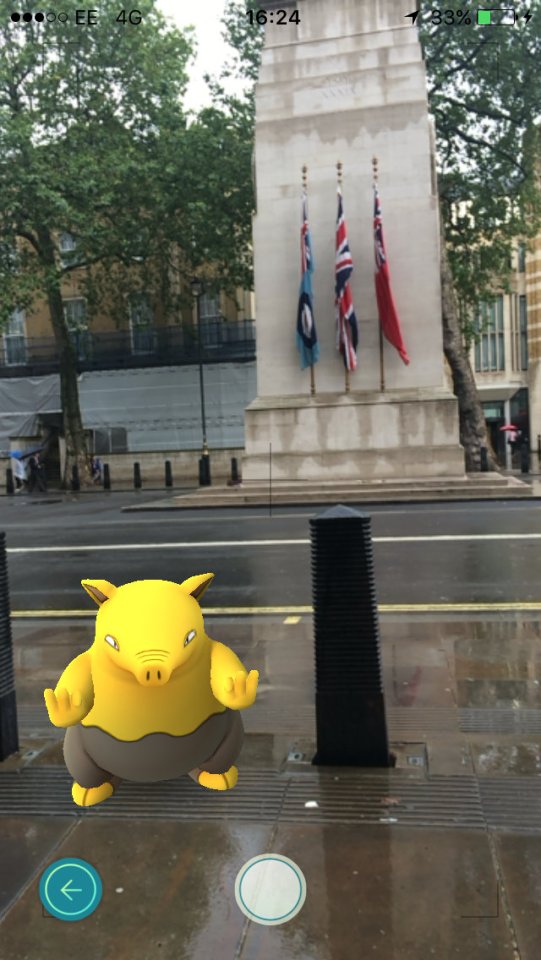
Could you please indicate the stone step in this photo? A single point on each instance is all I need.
(257, 494)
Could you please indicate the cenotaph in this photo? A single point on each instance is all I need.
(346, 84)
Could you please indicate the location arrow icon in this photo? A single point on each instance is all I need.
(413, 16)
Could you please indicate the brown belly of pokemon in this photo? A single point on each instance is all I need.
(154, 697)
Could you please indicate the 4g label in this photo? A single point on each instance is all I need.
(90, 17)
(134, 16)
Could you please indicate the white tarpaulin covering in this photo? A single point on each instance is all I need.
(21, 402)
(159, 407)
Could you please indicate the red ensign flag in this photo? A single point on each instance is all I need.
(388, 316)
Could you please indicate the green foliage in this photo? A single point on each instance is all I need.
(95, 142)
(485, 94)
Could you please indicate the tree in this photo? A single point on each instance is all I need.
(486, 99)
(94, 142)
(484, 91)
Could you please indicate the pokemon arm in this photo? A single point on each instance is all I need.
(230, 682)
(78, 677)
(223, 664)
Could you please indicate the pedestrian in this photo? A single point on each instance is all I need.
(96, 469)
(36, 476)
(514, 440)
(42, 478)
(19, 472)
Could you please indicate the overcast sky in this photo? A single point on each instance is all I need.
(205, 16)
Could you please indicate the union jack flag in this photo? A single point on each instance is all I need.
(388, 314)
(347, 331)
(307, 342)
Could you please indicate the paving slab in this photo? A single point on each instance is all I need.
(400, 864)
(520, 859)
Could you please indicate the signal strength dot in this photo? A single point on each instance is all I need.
(27, 17)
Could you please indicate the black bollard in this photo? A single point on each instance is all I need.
(168, 474)
(106, 477)
(234, 470)
(525, 457)
(10, 488)
(484, 459)
(204, 470)
(539, 445)
(75, 484)
(137, 476)
(9, 735)
(350, 713)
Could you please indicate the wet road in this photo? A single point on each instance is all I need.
(424, 554)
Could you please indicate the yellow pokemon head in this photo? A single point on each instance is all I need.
(148, 628)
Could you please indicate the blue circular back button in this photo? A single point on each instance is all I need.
(70, 889)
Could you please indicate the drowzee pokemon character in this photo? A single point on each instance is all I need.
(153, 697)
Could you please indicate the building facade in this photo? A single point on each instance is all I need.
(138, 373)
(501, 359)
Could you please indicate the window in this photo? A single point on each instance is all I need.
(142, 323)
(67, 244)
(523, 332)
(110, 440)
(209, 307)
(521, 257)
(14, 339)
(490, 346)
(76, 319)
(211, 320)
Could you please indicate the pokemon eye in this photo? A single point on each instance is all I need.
(112, 642)
(189, 637)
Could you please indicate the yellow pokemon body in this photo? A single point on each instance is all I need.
(153, 696)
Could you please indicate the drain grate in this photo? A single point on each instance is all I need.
(474, 720)
(263, 795)
(512, 804)
(46, 791)
(386, 797)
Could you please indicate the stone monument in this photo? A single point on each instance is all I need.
(346, 84)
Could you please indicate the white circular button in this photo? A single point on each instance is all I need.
(270, 889)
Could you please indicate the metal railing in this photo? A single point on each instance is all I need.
(222, 341)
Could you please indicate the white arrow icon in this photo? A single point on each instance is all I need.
(66, 890)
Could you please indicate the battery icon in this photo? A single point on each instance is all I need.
(496, 18)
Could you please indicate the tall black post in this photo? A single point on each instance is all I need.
(9, 737)
(106, 477)
(484, 459)
(350, 712)
(168, 474)
(75, 482)
(10, 489)
(137, 476)
(204, 463)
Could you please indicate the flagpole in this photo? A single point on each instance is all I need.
(339, 175)
(381, 363)
(312, 374)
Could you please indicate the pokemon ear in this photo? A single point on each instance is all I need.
(99, 590)
(197, 585)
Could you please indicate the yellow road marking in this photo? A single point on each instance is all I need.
(292, 620)
(294, 614)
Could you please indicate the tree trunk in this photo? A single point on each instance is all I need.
(473, 429)
(74, 435)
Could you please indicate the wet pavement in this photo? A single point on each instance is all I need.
(438, 857)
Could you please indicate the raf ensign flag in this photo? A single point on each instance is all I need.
(307, 342)
(347, 333)
(388, 315)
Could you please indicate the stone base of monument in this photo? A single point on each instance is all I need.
(478, 486)
(354, 436)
